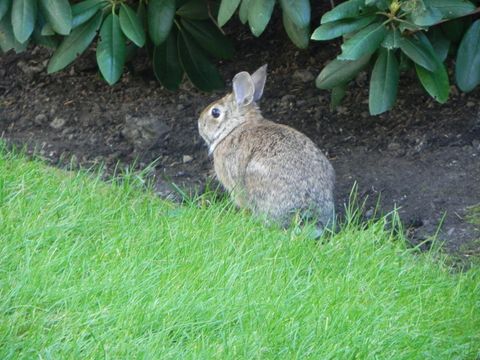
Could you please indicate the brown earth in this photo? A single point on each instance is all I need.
(422, 158)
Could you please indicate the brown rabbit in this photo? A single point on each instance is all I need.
(272, 169)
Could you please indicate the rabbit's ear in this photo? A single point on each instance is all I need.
(243, 88)
(259, 78)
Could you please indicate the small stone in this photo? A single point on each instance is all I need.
(470, 104)
(323, 99)
(144, 132)
(30, 69)
(303, 75)
(68, 130)
(40, 119)
(421, 144)
(58, 123)
(287, 99)
(180, 107)
(187, 159)
(393, 146)
(396, 149)
(476, 144)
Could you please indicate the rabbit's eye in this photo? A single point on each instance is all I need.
(215, 113)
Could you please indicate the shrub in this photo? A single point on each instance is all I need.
(185, 37)
(180, 35)
(397, 36)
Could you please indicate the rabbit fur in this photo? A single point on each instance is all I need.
(272, 169)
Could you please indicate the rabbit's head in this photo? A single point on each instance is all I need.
(221, 117)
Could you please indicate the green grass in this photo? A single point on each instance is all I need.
(473, 215)
(90, 270)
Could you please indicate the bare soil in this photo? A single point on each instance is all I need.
(422, 158)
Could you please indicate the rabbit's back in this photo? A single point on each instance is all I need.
(277, 171)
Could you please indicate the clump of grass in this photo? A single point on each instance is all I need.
(95, 270)
(473, 214)
(471, 249)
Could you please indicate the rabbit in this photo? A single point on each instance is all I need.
(272, 169)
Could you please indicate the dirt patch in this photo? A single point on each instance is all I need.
(422, 158)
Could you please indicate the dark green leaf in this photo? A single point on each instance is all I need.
(451, 9)
(47, 30)
(4, 6)
(347, 9)
(142, 15)
(24, 14)
(131, 25)
(365, 42)
(392, 39)
(226, 11)
(440, 43)
(337, 95)
(7, 39)
(201, 72)
(58, 14)
(50, 41)
(298, 11)
(383, 83)
(379, 4)
(83, 11)
(338, 72)
(436, 83)
(298, 35)
(46, 41)
(338, 28)
(259, 13)
(418, 52)
(74, 44)
(194, 9)
(467, 67)
(425, 16)
(111, 49)
(209, 37)
(160, 19)
(454, 29)
(243, 12)
(166, 63)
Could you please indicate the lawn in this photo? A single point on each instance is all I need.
(91, 270)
